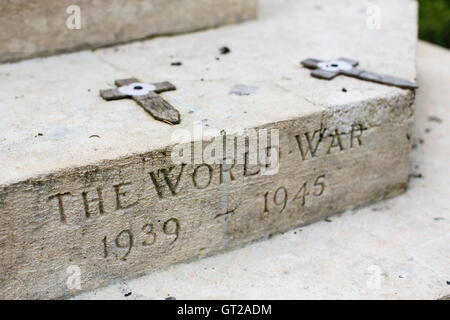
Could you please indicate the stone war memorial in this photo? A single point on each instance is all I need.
(152, 134)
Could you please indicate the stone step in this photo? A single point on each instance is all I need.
(395, 249)
(93, 188)
(33, 28)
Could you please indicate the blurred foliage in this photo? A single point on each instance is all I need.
(434, 21)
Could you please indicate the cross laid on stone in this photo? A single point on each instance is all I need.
(330, 69)
(146, 95)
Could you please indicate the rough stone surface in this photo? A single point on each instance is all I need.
(404, 241)
(33, 28)
(80, 175)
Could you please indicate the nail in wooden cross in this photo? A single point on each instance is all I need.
(146, 95)
(330, 69)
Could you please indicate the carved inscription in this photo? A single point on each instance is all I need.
(145, 236)
(170, 181)
(87, 201)
(59, 197)
(101, 200)
(165, 182)
(322, 142)
(277, 201)
(94, 202)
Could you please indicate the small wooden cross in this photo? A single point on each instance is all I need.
(330, 69)
(146, 95)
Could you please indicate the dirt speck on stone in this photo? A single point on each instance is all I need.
(176, 63)
(224, 50)
(416, 175)
(435, 119)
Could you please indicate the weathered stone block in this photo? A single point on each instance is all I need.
(43, 27)
(90, 185)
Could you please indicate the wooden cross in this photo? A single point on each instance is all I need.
(146, 95)
(330, 69)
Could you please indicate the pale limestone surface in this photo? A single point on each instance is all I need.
(89, 149)
(32, 28)
(406, 239)
(58, 96)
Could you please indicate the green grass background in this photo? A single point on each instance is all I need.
(434, 21)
